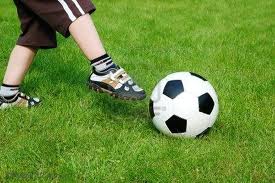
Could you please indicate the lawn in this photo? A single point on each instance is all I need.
(80, 136)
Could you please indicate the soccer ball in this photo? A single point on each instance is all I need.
(184, 104)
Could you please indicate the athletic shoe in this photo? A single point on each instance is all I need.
(116, 82)
(19, 100)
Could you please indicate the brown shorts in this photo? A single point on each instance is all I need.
(41, 19)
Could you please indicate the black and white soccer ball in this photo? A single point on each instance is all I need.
(184, 104)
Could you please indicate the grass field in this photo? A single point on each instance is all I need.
(78, 135)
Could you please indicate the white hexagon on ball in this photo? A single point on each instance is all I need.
(184, 104)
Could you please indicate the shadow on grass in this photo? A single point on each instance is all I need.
(134, 110)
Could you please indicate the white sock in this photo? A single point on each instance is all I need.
(102, 63)
(8, 90)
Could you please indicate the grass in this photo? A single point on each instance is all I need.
(78, 135)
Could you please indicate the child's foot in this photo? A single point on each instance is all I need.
(19, 100)
(116, 82)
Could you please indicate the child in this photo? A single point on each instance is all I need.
(39, 22)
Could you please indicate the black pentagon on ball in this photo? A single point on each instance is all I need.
(151, 109)
(173, 88)
(176, 124)
(198, 76)
(206, 103)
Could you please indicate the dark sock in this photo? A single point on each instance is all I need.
(102, 63)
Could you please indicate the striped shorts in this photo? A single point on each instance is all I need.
(40, 20)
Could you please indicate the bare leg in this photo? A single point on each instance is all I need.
(84, 33)
(20, 60)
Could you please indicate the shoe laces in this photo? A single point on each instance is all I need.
(24, 96)
(120, 75)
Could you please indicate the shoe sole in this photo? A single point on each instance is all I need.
(99, 89)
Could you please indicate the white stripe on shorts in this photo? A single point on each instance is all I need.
(67, 9)
(78, 7)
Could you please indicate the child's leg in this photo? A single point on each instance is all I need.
(106, 75)
(84, 33)
(20, 60)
